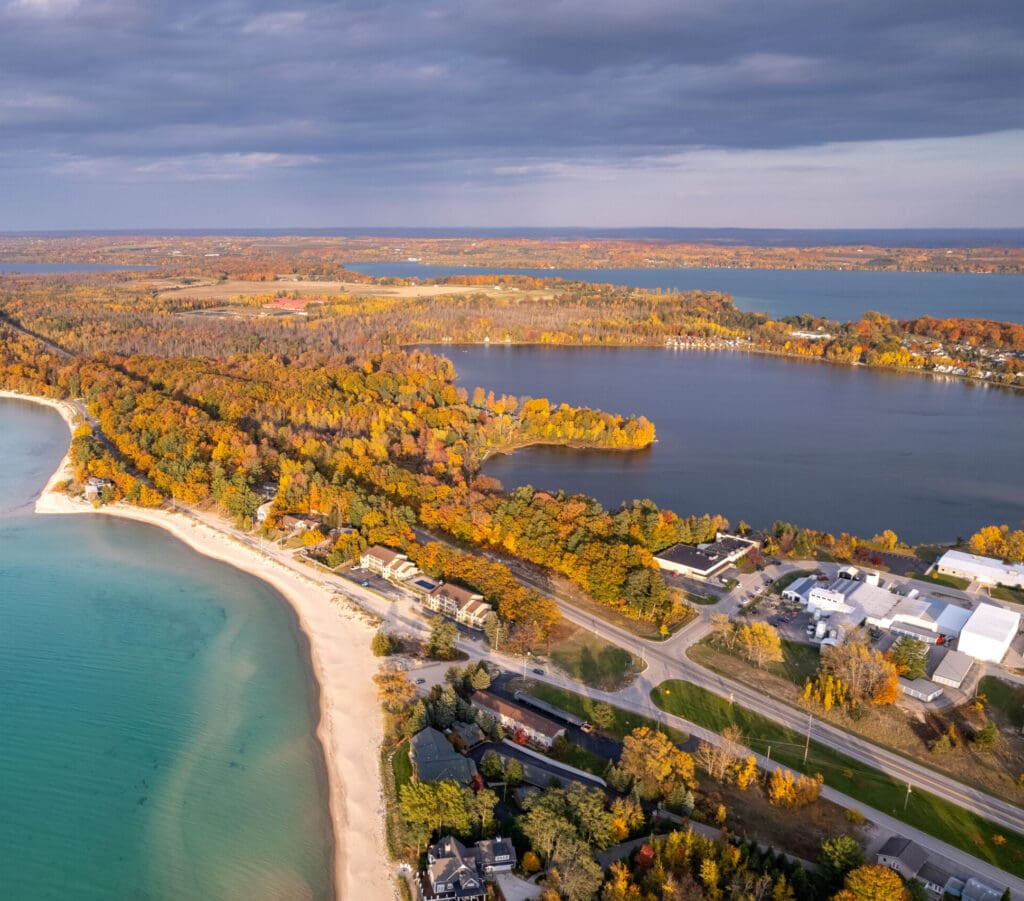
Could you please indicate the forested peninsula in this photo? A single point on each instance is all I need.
(205, 381)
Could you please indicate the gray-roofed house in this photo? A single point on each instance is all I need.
(934, 877)
(435, 759)
(953, 669)
(452, 873)
(902, 855)
(456, 873)
(799, 589)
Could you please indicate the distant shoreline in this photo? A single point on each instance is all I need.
(349, 729)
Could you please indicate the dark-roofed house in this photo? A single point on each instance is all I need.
(434, 758)
(525, 724)
(496, 855)
(934, 878)
(903, 856)
(704, 560)
(452, 873)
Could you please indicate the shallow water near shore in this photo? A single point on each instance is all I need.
(157, 712)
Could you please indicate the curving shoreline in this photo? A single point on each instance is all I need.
(350, 724)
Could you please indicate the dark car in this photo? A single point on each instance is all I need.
(539, 672)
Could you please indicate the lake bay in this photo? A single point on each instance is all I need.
(157, 713)
(762, 438)
(835, 294)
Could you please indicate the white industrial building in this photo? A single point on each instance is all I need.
(920, 617)
(986, 570)
(988, 633)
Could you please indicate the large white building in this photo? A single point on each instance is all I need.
(986, 570)
(988, 633)
(923, 618)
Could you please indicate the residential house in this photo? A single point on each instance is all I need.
(903, 856)
(434, 759)
(460, 604)
(388, 563)
(456, 873)
(524, 724)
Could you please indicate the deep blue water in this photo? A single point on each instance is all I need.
(157, 717)
(59, 268)
(838, 295)
(762, 438)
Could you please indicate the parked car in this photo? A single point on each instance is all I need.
(539, 672)
(364, 583)
(586, 728)
(420, 681)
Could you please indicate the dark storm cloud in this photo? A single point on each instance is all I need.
(451, 90)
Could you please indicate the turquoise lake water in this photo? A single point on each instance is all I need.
(157, 717)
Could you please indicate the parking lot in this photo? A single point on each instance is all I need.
(367, 579)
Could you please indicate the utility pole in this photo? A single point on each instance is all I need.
(807, 745)
(906, 800)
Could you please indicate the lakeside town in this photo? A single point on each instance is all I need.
(504, 751)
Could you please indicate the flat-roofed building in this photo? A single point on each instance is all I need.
(988, 633)
(704, 560)
(986, 570)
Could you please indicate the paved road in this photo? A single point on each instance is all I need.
(667, 660)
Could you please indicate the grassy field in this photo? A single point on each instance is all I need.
(1003, 593)
(924, 811)
(783, 582)
(800, 661)
(401, 766)
(624, 722)
(702, 599)
(1006, 698)
(593, 661)
(940, 579)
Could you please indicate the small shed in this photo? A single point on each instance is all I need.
(922, 689)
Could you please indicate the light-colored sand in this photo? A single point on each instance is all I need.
(350, 728)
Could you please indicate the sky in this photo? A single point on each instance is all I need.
(604, 113)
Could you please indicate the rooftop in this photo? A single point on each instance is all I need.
(993, 622)
(436, 759)
(528, 718)
(912, 855)
(954, 666)
(457, 593)
(382, 553)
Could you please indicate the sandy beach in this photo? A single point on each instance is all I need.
(339, 639)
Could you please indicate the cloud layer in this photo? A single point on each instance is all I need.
(707, 112)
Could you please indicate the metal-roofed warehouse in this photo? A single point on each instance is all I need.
(988, 633)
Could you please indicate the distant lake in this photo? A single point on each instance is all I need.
(60, 268)
(761, 438)
(157, 710)
(836, 294)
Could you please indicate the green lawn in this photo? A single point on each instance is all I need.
(703, 600)
(940, 579)
(1004, 593)
(1004, 697)
(924, 811)
(574, 755)
(783, 582)
(800, 661)
(593, 661)
(401, 765)
(625, 721)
